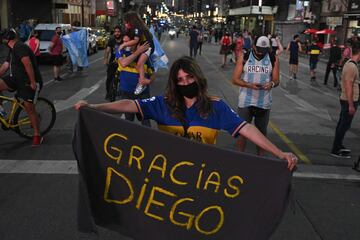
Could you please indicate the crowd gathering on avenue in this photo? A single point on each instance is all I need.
(185, 108)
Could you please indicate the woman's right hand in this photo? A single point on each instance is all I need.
(80, 104)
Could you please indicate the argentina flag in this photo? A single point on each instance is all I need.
(76, 44)
(158, 58)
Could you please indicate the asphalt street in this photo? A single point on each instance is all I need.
(38, 193)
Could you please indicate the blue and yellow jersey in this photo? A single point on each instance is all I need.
(129, 76)
(206, 130)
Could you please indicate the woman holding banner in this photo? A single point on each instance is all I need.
(187, 110)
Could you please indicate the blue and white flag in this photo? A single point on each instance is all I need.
(76, 44)
(158, 58)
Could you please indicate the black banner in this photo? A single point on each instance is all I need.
(148, 184)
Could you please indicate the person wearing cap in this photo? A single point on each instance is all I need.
(256, 72)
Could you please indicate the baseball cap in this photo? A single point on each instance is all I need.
(263, 42)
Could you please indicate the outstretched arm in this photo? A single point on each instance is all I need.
(253, 134)
(120, 106)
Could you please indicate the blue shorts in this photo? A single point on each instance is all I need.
(313, 65)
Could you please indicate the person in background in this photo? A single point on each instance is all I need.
(276, 44)
(314, 52)
(247, 41)
(349, 101)
(200, 41)
(193, 41)
(346, 54)
(333, 63)
(225, 43)
(187, 110)
(109, 59)
(293, 48)
(34, 44)
(239, 45)
(56, 50)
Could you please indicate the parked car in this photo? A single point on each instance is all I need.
(102, 37)
(92, 46)
(46, 32)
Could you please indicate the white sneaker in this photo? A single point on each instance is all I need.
(139, 89)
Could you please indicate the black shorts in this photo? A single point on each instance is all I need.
(58, 60)
(294, 60)
(23, 90)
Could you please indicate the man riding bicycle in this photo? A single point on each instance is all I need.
(24, 77)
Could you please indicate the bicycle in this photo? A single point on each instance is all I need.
(19, 122)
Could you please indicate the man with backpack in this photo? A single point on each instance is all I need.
(349, 101)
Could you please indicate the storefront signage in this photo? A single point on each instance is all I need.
(334, 21)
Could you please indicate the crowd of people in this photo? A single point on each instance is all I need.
(129, 64)
(186, 109)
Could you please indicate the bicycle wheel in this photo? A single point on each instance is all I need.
(47, 116)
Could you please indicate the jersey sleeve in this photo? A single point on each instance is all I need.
(119, 54)
(150, 108)
(229, 120)
(137, 32)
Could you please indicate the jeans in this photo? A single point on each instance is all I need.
(110, 73)
(193, 49)
(343, 125)
(327, 72)
(130, 95)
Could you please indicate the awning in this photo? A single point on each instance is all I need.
(352, 15)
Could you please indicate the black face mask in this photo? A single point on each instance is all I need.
(261, 51)
(190, 91)
(58, 33)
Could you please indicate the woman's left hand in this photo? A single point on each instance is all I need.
(290, 158)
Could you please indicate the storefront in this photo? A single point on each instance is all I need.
(353, 19)
(107, 14)
(255, 19)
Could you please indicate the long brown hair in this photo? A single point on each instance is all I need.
(175, 101)
(135, 21)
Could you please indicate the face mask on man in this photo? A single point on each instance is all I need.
(190, 91)
(261, 51)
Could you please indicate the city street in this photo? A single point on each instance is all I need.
(39, 186)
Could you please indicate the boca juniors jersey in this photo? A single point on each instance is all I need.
(257, 72)
(201, 129)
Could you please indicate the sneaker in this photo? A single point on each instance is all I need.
(340, 154)
(58, 79)
(36, 141)
(344, 149)
(139, 89)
